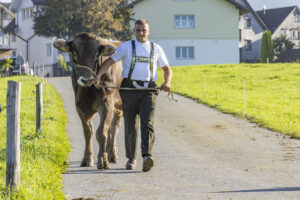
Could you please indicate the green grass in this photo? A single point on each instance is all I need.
(272, 92)
(44, 154)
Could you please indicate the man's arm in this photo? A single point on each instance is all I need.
(166, 86)
(104, 67)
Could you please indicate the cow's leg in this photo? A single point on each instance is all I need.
(113, 131)
(106, 114)
(88, 129)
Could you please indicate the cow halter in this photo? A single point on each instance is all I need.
(77, 65)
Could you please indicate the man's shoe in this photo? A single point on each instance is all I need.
(148, 163)
(131, 164)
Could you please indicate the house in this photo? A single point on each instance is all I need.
(292, 56)
(194, 32)
(27, 46)
(6, 16)
(251, 28)
(283, 21)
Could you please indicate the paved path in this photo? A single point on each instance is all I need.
(199, 154)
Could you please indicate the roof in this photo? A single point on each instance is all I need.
(274, 17)
(6, 4)
(16, 3)
(240, 6)
(292, 55)
(10, 28)
(234, 2)
(38, 2)
(259, 20)
(4, 48)
(7, 11)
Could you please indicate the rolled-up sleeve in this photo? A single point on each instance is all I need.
(162, 59)
(120, 53)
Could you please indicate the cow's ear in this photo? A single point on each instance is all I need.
(63, 45)
(106, 50)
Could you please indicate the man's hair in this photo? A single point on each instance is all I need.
(141, 22)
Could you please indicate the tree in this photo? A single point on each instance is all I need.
(281, 45)
(5, 65)
(61, 61)
(66, 18)
(267, 49)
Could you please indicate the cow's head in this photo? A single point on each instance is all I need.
(86, 50)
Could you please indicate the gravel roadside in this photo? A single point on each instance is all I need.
(199, 153)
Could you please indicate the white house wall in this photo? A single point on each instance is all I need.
(290, 25)
(205, 51)
(25, 26)
(19, 46)
(37, 45)
(254, 33)
(38, 51)
(214, 35)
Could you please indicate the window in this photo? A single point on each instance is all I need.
(4, 16)
(49, 49)
(27, 13)
(247, 22)
(283, 31)
(185, 52)
(13, 53)
(13, 38)
(248, 44)
(240, 35)
(294, 35)
(23, 14)
(297, 17)
(184, 21)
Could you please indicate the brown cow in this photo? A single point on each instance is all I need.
(88, 52)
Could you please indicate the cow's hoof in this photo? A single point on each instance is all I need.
(113, 158)
(87, 162)
(103, 163)
(113, 155)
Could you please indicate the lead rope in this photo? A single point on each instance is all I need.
(170, 95)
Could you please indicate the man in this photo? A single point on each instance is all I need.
(140, 59)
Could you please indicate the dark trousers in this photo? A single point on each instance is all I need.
(138, 106)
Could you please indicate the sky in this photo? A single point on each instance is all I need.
(256, 4)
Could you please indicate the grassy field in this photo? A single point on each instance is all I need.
(43, 154)
(268, 94)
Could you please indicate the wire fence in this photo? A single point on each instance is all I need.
(29, 102)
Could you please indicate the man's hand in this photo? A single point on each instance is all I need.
(103, 69)
(97, 78)
(166, 86)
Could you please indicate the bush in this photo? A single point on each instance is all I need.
(267, 49)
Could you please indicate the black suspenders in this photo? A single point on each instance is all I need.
(135, 59)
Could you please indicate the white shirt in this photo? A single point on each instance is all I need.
(141, 70)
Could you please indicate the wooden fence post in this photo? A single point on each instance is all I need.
(39, 106)
(33, 66)
(13, 100)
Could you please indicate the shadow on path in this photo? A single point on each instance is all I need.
(276, 189)
(101, 171)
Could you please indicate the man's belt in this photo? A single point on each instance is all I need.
(138, 84)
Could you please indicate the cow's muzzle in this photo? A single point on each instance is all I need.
(85, 82)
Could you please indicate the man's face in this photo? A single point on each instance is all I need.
(142, 32)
